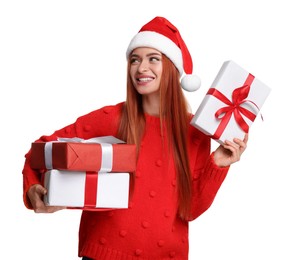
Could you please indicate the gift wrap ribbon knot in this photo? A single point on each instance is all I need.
(234, 107)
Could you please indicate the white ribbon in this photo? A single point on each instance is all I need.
(107, 157)
(49, 155)
(104, 141)
(98, 140)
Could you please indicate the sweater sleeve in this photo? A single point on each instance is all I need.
(101, 122)
(207, 177)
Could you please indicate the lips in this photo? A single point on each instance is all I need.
(144, 78)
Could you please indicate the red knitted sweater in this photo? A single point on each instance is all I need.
(150, 228)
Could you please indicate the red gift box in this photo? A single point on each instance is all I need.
(83, 156)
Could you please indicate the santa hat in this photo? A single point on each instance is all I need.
(160, 34)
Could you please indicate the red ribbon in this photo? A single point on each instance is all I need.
(90, 189)
(234, 107)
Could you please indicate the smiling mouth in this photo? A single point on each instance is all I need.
(147, 79)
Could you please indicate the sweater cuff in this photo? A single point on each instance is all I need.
(216, 172)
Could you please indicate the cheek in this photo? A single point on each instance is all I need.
(159, 71)
(132, 71)
(159, 74)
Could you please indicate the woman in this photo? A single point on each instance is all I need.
(177, 176)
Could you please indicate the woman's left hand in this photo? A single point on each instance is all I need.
(230, 152)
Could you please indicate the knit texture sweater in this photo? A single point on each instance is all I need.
(150, 228)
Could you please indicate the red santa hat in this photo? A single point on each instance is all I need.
(160, 34)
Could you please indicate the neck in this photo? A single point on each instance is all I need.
(151, 105)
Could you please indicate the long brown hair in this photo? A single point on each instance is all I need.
(173, 111)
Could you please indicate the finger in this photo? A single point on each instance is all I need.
(242, 144)
(52, 209)
(234, 148)
(232, 145)
(245, 138)
(48, 209)
(40, 189)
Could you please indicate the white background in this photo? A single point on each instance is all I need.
(61, 59)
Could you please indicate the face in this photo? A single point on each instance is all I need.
(146, 70)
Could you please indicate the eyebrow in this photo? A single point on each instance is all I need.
(148, 55)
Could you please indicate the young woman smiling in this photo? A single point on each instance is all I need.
(177, 175)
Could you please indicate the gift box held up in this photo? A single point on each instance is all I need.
(106, 154)
(231, 104)
(88, 191)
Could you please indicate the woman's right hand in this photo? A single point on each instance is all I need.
(36, 194)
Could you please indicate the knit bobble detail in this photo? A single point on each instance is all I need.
(161, 243)
(145, 224)
(152, 193)
(123, 233)
(87, 128)
(138, 252)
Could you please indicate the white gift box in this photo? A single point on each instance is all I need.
(93, 190)
(232, 82)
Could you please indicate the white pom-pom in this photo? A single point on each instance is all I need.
(191, 82)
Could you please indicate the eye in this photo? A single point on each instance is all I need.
(154, 59)
(134, 60)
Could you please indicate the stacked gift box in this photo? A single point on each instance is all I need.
(231, 104)
(89, 174)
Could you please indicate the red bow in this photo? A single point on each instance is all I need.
(234, 107)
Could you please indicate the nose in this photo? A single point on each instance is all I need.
(143, 67)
